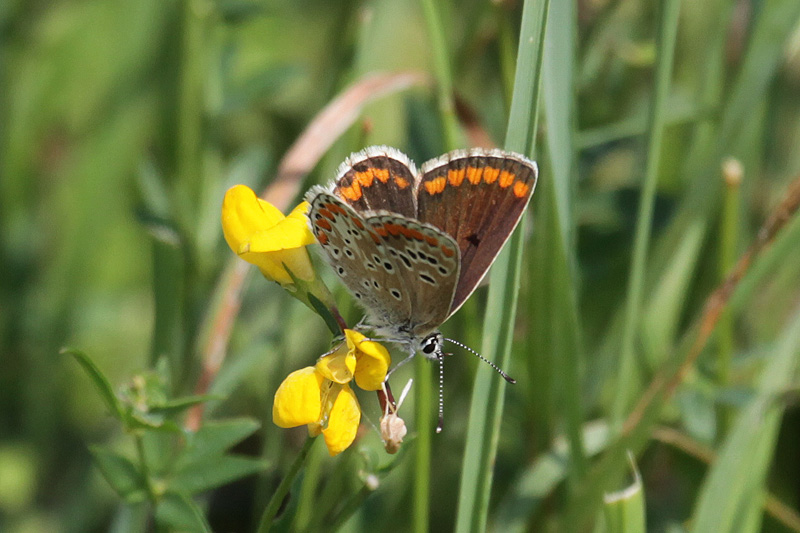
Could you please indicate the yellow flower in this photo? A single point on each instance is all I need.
(259, 233)
(320, 396)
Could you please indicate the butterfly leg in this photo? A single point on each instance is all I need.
(401, 363)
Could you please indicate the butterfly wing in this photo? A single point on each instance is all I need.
(427, 263)
(477, 197)
(378, 178)
(360, 259)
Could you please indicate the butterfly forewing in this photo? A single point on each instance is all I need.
(478, 198)
(378, 179)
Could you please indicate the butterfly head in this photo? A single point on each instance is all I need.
(431, 345)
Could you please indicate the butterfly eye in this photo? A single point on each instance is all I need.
(430, 346)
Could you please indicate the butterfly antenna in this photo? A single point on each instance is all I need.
(440, 425)
(482, 358)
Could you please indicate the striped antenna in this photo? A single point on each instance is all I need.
(482, 358)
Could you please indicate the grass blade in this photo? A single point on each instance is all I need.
(487, 398)
(668, 29)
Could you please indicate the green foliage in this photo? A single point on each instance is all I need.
(172, 465)
(123, 123)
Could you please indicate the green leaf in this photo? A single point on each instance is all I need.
(667, 300)
(554, 299)
(121, 473)
(323, 311)
(214, 438)
(179, 513)
(155, 422)
(100, 381)
(172, 407)
(214, 472)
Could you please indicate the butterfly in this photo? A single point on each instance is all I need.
(412, 246)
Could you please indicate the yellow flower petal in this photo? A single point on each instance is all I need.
(260, 234)
(271, 264)
(243, 214)
(345, 416)
(297, 400)
(372, 360)
(338, 366)
(290, 232)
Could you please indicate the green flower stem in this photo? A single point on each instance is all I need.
(422, 464)
(444, 80)
(308, 505)
(729, 235)
(277, 498)
(316, 296)
(152, 494)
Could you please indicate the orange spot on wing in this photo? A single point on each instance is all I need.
(436, 185)
(521, 189)
(455, 176)
(327, 214)
(449, 252)
(322, 238)
(357, 222)
(490, 174)
(416, 235)
(474, 175)
(324, 224)
(506, 179)
(433, 241)
(401, 183)
(365, 178)
(335, 209)
(393, 229)
(375, 238)
(351, 193)
(381, 173)
(381, 230)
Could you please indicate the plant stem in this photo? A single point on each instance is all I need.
(148, 478)
(422, 446)
(729, 235)
(280, 493)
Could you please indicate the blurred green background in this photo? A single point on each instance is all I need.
(123, 123)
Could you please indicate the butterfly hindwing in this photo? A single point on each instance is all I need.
(359, 257)
(428, 264)
(378, 179)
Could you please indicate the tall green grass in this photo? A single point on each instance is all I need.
(643, 307)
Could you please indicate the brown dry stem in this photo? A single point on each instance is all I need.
(665, 383)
